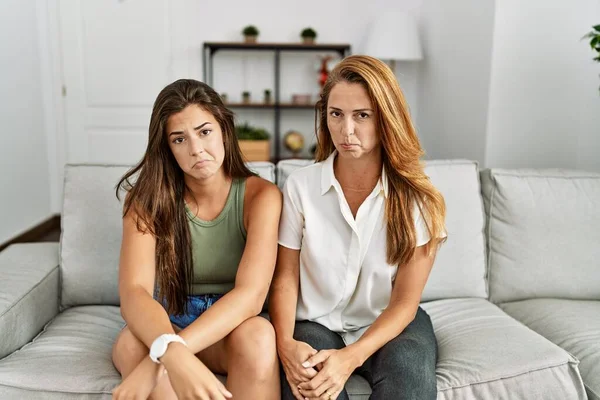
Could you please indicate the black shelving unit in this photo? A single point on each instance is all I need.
(210, 48)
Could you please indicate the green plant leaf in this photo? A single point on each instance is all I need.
(594, 42)
(260, 134)
(588, 35)
(250, 30)
(597, 27)
(246, 132)
(308, 32)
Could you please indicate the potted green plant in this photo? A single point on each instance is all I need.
(254, 142)
(594, 37)
(308, 35)
(267, 96)
(246, 97)
(250, 34)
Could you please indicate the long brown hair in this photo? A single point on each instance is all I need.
(401, 152)
(157, 193)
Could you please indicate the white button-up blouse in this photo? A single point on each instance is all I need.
(345, 280)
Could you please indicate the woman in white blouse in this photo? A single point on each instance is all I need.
(357, 239)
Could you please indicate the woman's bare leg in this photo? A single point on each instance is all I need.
(128, 353)
(252, 363)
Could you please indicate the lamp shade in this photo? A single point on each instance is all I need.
(393, 36)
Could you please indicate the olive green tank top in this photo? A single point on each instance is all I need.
(217, 245)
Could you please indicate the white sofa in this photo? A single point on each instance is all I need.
(514, 295)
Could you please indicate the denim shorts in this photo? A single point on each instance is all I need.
(196, 305)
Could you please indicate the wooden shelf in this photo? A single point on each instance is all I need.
(276, 160)
(270, 106)
(341, 48)
(292, 105)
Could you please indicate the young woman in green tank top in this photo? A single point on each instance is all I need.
(197, 257)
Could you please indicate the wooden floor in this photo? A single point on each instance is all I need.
(46, 231)
(52, 236)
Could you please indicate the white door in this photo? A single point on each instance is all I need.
(116, 56)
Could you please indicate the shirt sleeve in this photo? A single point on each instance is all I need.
(422, 233)
(291, 223)
(421, 230)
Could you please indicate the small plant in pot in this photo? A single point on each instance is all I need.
(250, 34)
(268, 98)
(254, 142)
(594, 37)
(246, 97)
(308, 36)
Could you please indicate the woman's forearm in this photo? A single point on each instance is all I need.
(222, 318)
(145, 317)
(390, 323)
(282, 305)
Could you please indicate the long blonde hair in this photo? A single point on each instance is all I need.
(401, 153)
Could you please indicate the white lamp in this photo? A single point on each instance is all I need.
(393, 36)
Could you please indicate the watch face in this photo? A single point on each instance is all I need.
(159, 347)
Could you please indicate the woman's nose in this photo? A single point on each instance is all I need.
(196, 147)
(348, 127)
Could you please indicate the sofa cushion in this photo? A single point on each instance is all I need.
(485, 354)
(70, 359)
(91, 235)
(574, 325)
(542, 234)
(264, 169)
(286, 167)
(29, 292)
(459, 269)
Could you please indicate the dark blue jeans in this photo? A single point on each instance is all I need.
(404, 368)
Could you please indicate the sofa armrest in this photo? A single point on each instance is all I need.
(29, 292)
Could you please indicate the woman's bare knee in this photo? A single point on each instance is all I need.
(252, 344)
(128, 351)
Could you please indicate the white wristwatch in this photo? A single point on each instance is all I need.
(160, 344)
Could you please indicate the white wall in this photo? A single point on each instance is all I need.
(544, 104)
(24, 180)
(454, 77)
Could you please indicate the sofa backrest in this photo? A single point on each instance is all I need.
(91, 235)
(542, 234)
(92, 232)
(459, 269)
(286, 167)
